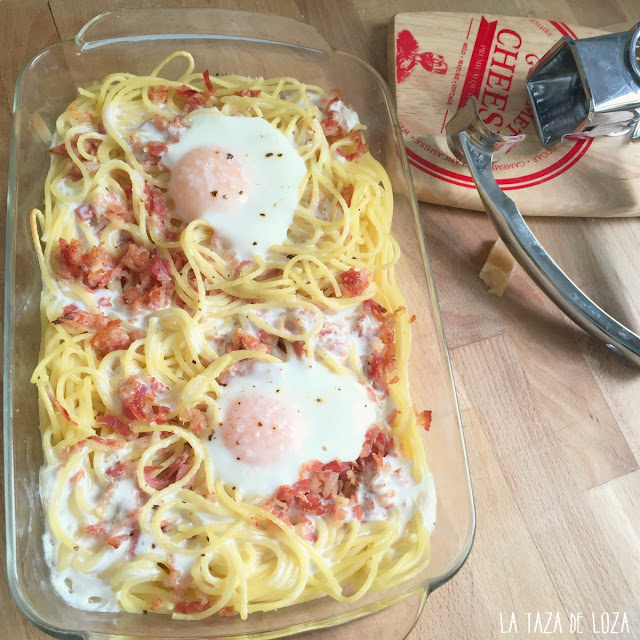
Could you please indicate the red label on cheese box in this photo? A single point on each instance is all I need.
(439, 60)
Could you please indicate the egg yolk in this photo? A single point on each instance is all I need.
(208, 180)
(261, 430)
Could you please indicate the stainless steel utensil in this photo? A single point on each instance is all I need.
(588, 87)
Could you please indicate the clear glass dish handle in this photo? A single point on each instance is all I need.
(142, 24)
(473, 143)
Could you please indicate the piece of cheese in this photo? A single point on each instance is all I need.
(497, 269)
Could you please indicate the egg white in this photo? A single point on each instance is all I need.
(335, 411)
(264, 213)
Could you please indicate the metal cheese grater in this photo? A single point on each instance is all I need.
(588, 87)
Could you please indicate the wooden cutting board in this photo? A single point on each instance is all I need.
(437, 60)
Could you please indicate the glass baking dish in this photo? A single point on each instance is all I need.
(255, 45)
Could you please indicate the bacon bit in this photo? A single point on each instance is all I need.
(136, 395)
(135, 258)
(78, 475)
(192, 606)
(374, 309)
(156, 149)
(116, 541)
(155, 203)
(158, 94)
(77, 321)
(59, 409)
(357, 512)
(354, 282)
(195, 419)
(134, 542)
(298, 348)
(96, 268)
(306, 530)
(186, 92)
(118, 469)
(156, 603)
(227, 612)
(85, 212)
(193, 99)
(111, 338)
(248, 93)
(97, 530)
(108, 442)
(412, 319)
(392, 416)
(333, 130)
(347, 193)
(320, 483)
(207, 80)
(179, 258)
(60, 150)
(115, 424)
(361, 147)
(147, 279)
(79, 116)
(241, 340)
(176, 471)
(108, 204)
(424, 419)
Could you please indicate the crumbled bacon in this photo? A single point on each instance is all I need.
(156, 603)
(155, 202)
(137, 395)
(320, 483)
(59, 150)
(156, 149)
(76, 321)
(95, 269)
(361, 147)
(107, 442)
(117, 470)
(110, 206)
(192, 606)
(115, 424)
(298, 348)
(58, 408)
(174, 472)
(374, 309)
(347, 193)
(243, 340)
(147, 281)
(85, 212)
(207, 80)
(193, 98)
(248, 93)
(112, 338)
(78, 475)
(333, 130)
(116, 541)
(424, 419)
(355, 282)
(195, 419)
(158, 94)
(382, 365)
(135, 539)
(79, 116)
(97, 530)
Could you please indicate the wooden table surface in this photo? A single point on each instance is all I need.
(558, 522)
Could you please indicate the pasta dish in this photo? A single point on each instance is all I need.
(225, 409)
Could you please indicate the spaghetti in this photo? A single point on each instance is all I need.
(149, 321)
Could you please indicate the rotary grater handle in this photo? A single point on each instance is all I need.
(474, 144)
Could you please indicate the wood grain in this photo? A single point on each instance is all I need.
(550, 416)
